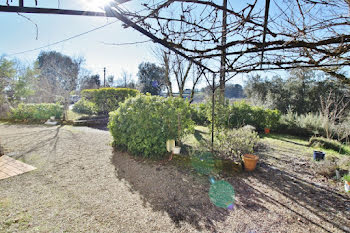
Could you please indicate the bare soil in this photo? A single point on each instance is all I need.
(82, 185)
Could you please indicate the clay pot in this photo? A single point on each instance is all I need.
(250, 162)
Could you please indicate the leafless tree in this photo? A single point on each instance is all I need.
(125, 80)
(298, 33)
(180, 71)
(333, 110)
(163, 55)
(180, 67)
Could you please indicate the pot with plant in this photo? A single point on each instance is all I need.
(239, 144)
(319, 155)
(250, 162)
(267, 130)
(346, 179)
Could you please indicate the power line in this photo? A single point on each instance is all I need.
(67, 39)
(128, 43)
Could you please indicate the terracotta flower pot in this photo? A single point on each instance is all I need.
(250, 161)
(267, 130)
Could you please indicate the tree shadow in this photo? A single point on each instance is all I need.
(326, 204)
(198, 135)
(45, 137)
(184, 196)
(285, 140)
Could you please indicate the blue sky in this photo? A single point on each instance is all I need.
(19, 35)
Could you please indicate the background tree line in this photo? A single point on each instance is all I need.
(301, 91)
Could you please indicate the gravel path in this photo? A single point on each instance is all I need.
(81, 185)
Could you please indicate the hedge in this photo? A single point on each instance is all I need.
(240, 113)
(107, 99)
(199, 114)
(143, 124)
(328, 144)
(36, 112)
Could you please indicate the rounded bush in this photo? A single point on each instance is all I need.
(143, 124)
(84, 106)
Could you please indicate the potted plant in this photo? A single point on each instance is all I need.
(237, 144)
(267, 130)
(346, 179)
(319, 155)
(250, 161)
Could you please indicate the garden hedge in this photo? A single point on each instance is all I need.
(199, 114)
(36, 112)
(107, 99)
(327, 144)
(240, 113)
(143, 124)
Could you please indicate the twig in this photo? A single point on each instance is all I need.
(36, 26)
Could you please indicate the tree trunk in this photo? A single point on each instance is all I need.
(167, 72)
(223, 52)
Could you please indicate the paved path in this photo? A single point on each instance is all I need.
(10, 167)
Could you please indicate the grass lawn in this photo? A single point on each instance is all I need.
(284, 141)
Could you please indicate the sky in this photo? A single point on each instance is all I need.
(19, 35)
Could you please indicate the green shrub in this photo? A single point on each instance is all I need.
(199, 114)
(327, 144)
(36, 112)
(240, 113)
(233, 143)
(108, 99)
(84, 106)
(301, 125)
(143, 124)
(346, 178)
(325, 168)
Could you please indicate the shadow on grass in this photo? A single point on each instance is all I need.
(198, 135)
(284, 138)
(178, 191)
(326, 204)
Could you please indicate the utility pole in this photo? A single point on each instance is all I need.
(104, 77)
(212, 113)
(20, 3)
